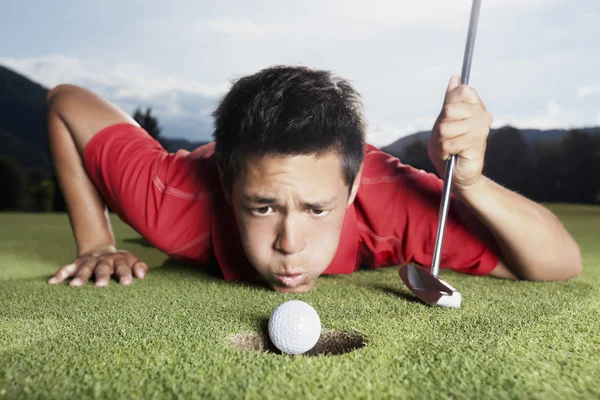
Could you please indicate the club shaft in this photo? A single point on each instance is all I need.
(445, 204)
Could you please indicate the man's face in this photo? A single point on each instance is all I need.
(290, 212)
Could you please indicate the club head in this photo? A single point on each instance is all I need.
(428, 288)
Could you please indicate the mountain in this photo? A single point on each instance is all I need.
(23, 120)
(174, 144)
(530, 136)
(23, 125)
(396, 147)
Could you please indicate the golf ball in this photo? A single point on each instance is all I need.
(294, 327)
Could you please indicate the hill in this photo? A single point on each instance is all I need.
(23, 120)
(174, 144)
(530, 136)
(23, 123)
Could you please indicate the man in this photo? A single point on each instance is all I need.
(289, 190)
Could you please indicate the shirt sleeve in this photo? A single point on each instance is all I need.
(166, 197)
(399, 208)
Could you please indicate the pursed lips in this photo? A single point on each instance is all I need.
(291, 280)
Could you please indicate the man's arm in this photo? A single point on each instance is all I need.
(87, 212)
(75, 115)
(533, 242)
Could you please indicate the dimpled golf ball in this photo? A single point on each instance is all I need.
(294, 327)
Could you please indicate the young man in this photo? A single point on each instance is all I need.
(289, 190)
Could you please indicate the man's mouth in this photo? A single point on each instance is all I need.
(291, 281)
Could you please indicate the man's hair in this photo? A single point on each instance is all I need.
(289, 111)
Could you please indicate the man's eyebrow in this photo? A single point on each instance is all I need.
(258, 199)
(320, 203)
(264, 200)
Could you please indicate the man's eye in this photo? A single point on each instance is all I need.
(318, 212)
(261, 211)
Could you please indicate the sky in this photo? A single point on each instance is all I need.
(536, 63)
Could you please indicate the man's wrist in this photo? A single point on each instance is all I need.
(474, 191)
(101, 247)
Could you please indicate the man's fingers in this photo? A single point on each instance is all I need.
(462, 94)
(452, 84)
(140, 269)
(459, 111)
(102, 266)
(83, 273)
(469, 95)
(457, 145)
(123, 271)
(63, 273)
(452, 129)
(103, 272)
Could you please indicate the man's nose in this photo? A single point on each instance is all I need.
(291, 238)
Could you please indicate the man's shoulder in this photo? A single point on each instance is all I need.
(204, 151)
(379, 164)
(384, 176)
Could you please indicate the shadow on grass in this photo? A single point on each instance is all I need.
(211, 271)
(173, 266)
(170, 268)
(395, 292)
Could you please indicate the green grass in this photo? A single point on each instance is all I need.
(167, 336)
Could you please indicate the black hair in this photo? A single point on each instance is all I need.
(288, 111)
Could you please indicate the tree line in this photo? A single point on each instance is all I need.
(36, 190)
(566, 170)
(562, 171)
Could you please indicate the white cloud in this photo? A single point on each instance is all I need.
(381, 132)
(391, 113)
(586, 91)
(554, 116)
(231, 27)
(183, 107)
(278, 22)
(121, 79)
(429, 12)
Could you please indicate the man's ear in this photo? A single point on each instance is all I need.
(225, 186)
(355, 186)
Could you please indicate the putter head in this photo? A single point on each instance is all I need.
(428, 288)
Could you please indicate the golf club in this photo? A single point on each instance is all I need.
(423, 283)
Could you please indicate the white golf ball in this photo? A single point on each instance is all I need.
(294, 327)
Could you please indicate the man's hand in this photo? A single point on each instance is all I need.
(462, 128)
(102, 263)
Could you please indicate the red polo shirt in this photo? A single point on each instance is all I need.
(175, 201)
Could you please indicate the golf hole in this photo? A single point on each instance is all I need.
(331, 343)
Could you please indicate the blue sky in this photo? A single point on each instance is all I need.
(536, 62)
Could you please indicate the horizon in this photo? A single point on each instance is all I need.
(150, 61)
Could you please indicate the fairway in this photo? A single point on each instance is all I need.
(170, 335)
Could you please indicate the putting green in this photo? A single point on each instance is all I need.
(174, 333)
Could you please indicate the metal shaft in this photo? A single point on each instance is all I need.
(464, 79)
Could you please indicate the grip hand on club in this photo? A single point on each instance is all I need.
(461, 128)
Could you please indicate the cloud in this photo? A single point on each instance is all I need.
(232, 27)
(279, 22)
(348, 12)
(381, 132)
(554, 116)
(586, 91)
(123, 79)
(183, 107)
